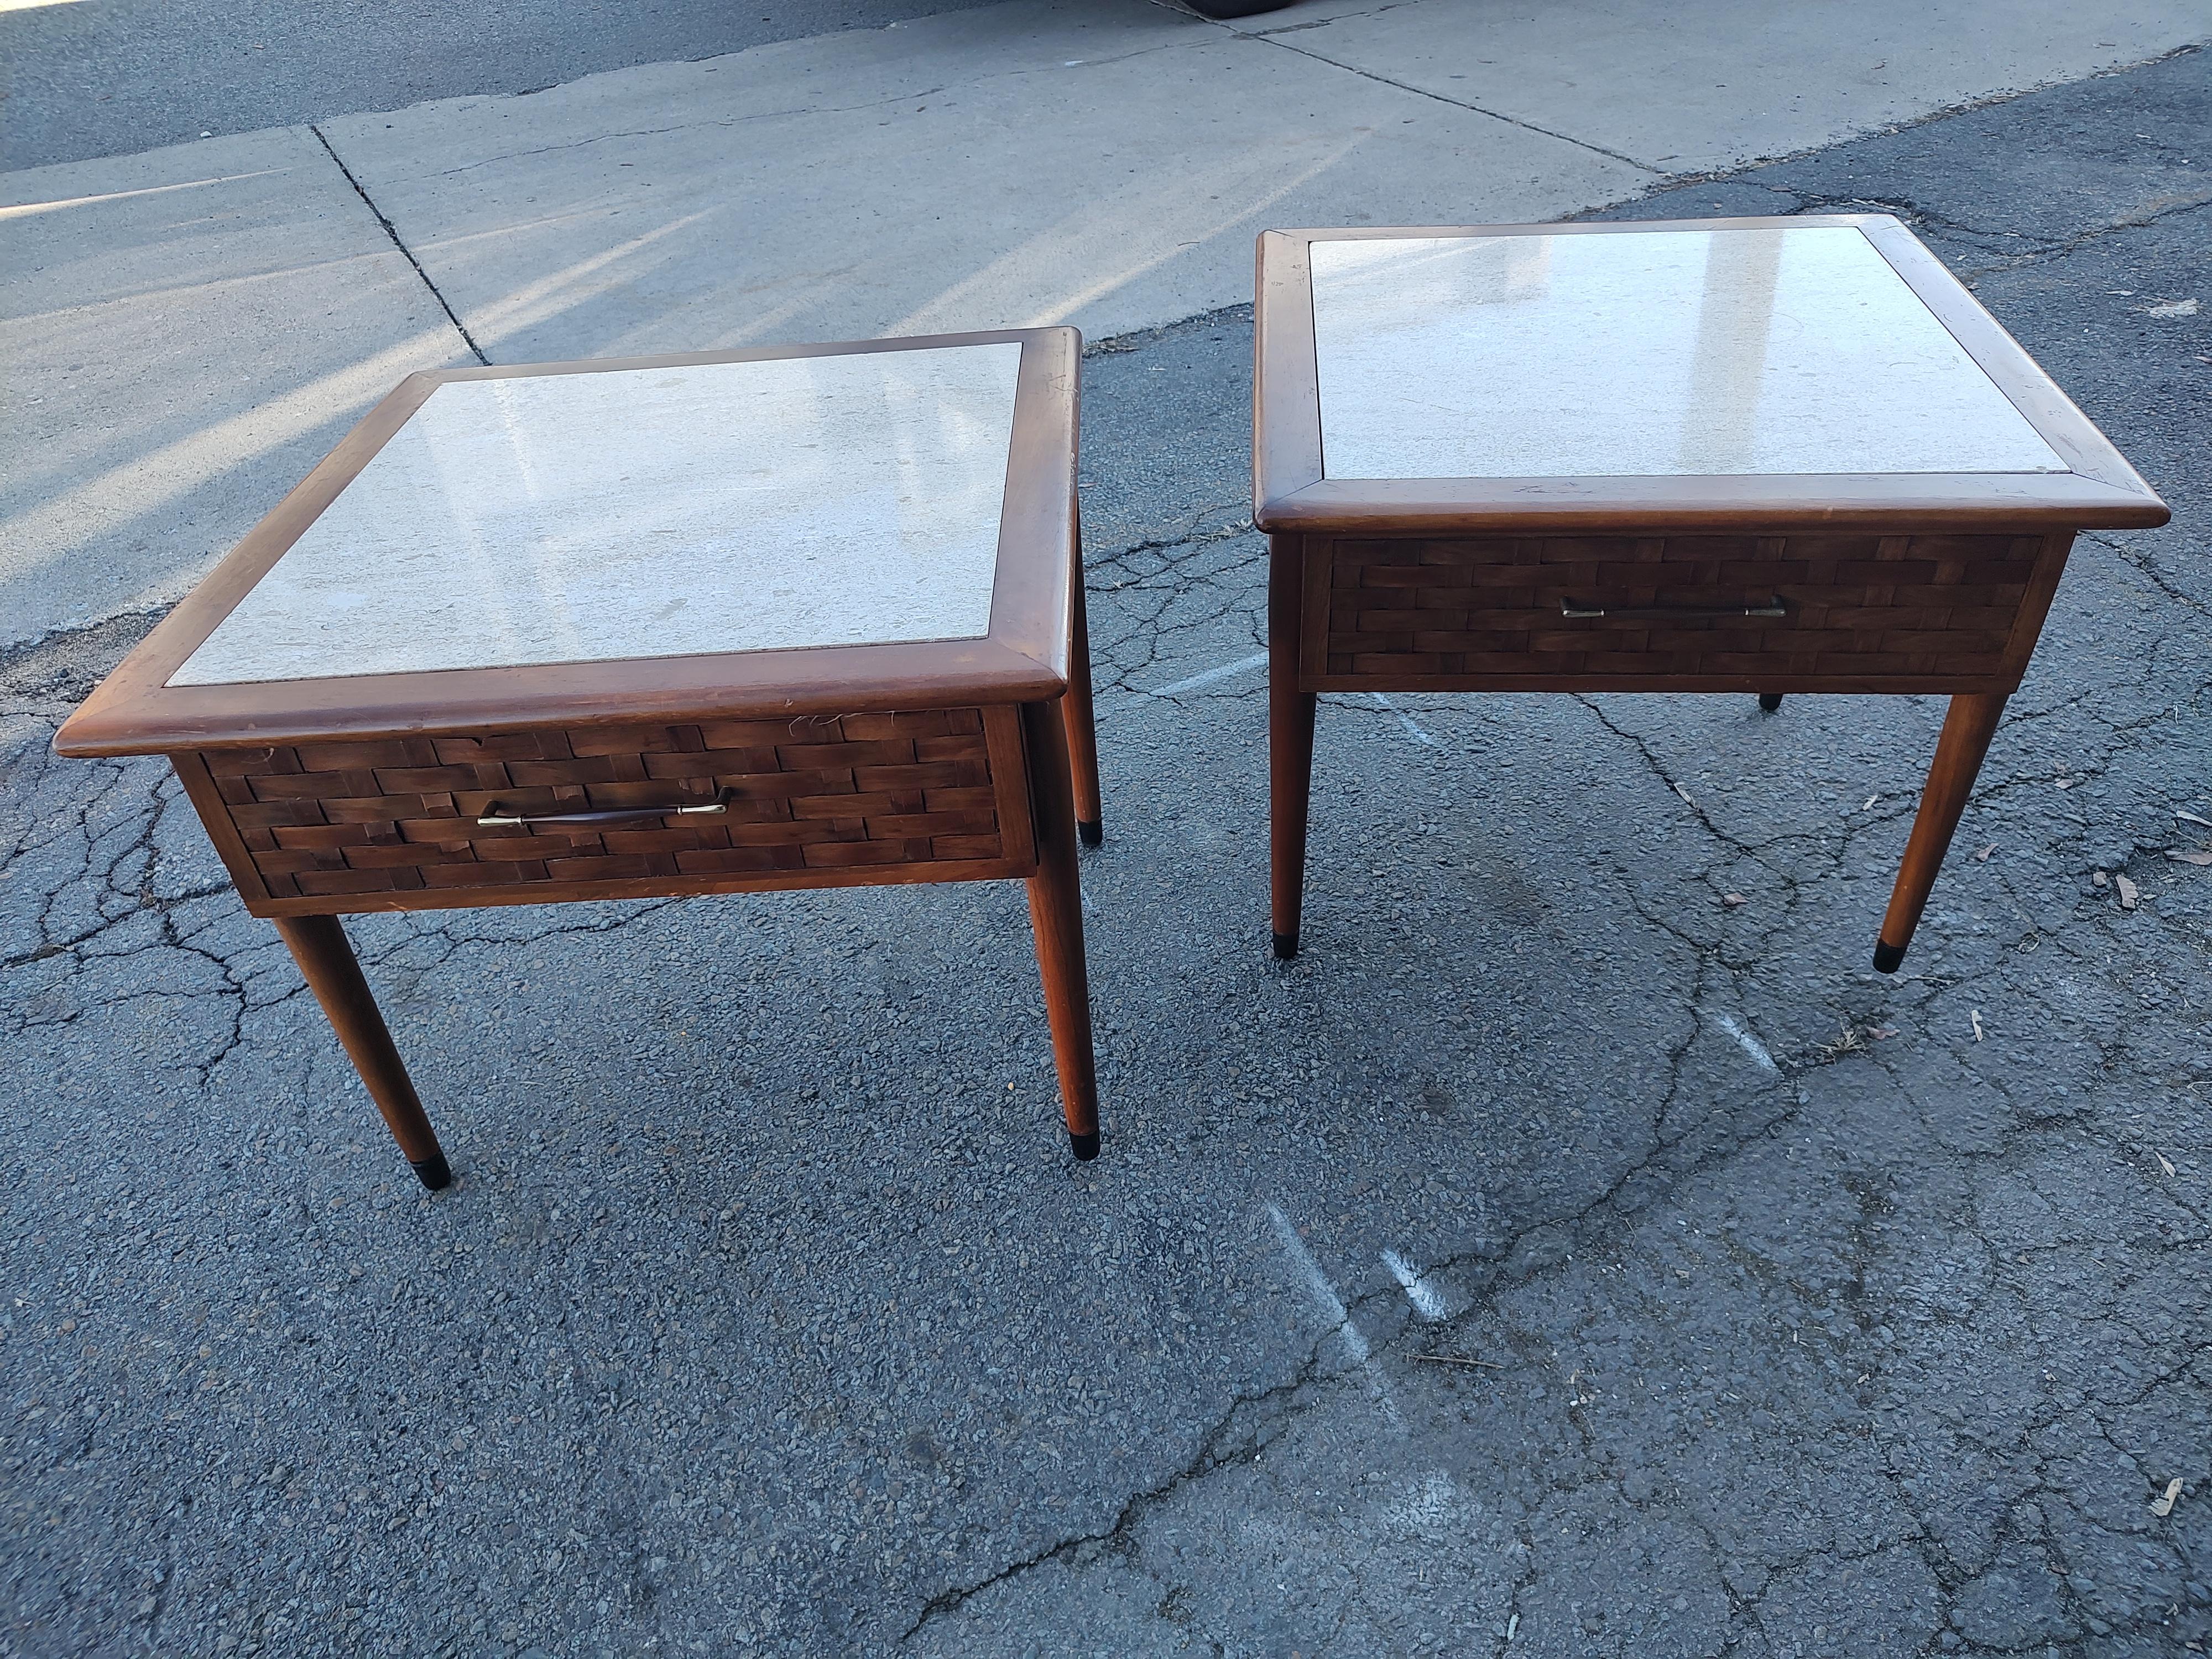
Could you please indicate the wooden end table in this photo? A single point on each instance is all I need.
(1759, 455)
(791, 617)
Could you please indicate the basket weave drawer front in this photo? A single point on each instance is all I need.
(1905, 607)
(400, 815)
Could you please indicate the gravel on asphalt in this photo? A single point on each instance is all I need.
(1798, 1310)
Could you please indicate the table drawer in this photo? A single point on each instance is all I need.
(1802, 612)
(778, 800)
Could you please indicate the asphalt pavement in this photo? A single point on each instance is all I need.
(1559, 1258)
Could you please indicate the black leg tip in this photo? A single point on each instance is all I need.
(1286, 946)
(1085, 1148)
(1090, 834)
(433, 1172)
(1887, 957)
(1770, 701)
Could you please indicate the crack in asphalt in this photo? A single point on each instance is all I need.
(1603, 1219)
(1217, 1447)
(114, 862)
(94, 850)
(1738, 171)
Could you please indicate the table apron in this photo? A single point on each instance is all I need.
(1941, 612)
(449, 819)
(1760, 682)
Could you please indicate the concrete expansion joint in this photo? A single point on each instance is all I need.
(406, 252)
(1275, 39)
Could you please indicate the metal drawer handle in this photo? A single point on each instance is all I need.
(494, 817)
(1773, 607)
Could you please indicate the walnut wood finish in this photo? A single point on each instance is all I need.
(327, 963)
(1290, 491)
(1967, 730)
(1025, 656)
(1056, 917)
(1907, 583)
(1859, 613)
(397, 819)
(839, 766)
(1082, 727)
(1290, 742)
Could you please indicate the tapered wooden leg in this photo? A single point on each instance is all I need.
(1967, 730)
(1082, 730)
(318, 944)
(1056, 914)
(1289, 741)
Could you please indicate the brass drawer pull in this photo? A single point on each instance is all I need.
(496, 818)
(1773, 607)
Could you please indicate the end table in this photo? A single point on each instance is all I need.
(790, 617)
(1759, 455)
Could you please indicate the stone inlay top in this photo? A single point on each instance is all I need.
(1644, 354)
(843, 500)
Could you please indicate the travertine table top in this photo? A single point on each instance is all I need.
(838, 500)
(1750, 350)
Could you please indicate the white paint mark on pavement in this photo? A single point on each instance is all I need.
(1339, 1317)
(1324, 1293)
(1750, 1044)
(1428, 1301)
(1415, 731)
(1426, 1297)
(1212, 677)
(1433, 1504)
(24, 210)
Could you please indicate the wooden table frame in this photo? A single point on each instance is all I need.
(1826, 583)
(963, 760)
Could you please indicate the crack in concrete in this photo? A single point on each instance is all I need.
(683, 126)
(1275, 39)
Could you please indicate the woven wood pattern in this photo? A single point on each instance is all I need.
(1899, 605)
(399, 815)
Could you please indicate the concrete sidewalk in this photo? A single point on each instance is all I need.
(187, 330)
